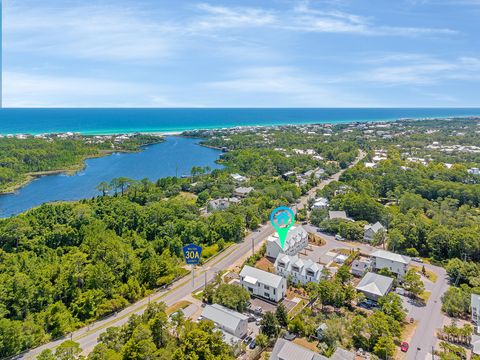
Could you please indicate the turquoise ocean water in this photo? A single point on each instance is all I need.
(107, 121)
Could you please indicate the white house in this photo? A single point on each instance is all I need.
(369, 231)
(300, 271)
(320, 203)
(227, 320)
(396, 263)
(475, 306)
(296, 241)
(238, 177)
(475, 344)
(263, 284)
(375, 286)
(474, 171)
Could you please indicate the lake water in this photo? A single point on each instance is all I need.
(175, 156)
(108, 121)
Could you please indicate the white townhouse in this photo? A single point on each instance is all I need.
(396, 263)
(300, 271)
(370, 230)
(296, 241)
(227, 320)
(263, 284)
(475, 306)
(238, 177)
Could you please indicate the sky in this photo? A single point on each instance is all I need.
(231, 53)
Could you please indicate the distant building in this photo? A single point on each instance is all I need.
(238, 177)
(475, 306)
(320, 203)
(361, 266)
(263, 284)
(242, 191)
(475, 344)
(221, 204)
(227, 320)
(299, 270)
(375, 286)
(396, 263)
(338, 215)
(371, 230)
(474, 171)
(296, 241)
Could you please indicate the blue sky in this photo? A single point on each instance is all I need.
(278, 53)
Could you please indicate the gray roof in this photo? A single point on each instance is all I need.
(382, 254)
(342, 354)
(375, 284)
(287, 350)
(219, 314)
(375, 227)
(243, 190)
(263, 277)
(337, 215)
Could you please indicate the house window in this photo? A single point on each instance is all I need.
(295, 268)
(250, 289)
(273, 291)
(310, 273)
(282, 265)
(267, 294)
(266, 287)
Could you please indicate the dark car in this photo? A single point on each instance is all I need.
(253, 344)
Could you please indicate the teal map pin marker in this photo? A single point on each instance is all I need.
(282, 219)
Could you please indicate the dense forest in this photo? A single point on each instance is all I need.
(22, 156)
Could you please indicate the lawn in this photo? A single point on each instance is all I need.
(430, 275)
(177, 306)
(307, 344)
(425, 296)
(265, 265)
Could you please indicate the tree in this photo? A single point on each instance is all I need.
(46, 354)
(103, 187)
(232, 296)
(392, 305)
(282, 315)
(269, 324)
(261, 340)
(343, 274)
(68, 350)
(384, 348)
(413, 282)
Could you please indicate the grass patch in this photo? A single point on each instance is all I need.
(265, 265)
(177, 306)
(430, 275)
(198, 295)
(425, 296)
(297, 308)
(307, 344)
(212, 250)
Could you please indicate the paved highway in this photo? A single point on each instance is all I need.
(87, 336)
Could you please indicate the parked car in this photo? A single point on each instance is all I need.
(404, 346)
(338, 237)
(289, 336)
(247, 339)
(253, 344)
(417, 259)
(400, 291)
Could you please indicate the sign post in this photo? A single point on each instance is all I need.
(192, 255)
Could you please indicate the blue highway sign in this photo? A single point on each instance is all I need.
(192, 254)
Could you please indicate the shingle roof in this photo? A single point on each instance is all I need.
(219, 314)
(375, 227)
(382, 254)
(342, 354)
(262, 276)
(375, 284)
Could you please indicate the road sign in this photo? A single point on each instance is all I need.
(192, 254)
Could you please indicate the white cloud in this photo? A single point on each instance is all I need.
(93, 32)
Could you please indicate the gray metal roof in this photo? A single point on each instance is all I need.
(287, 350)
(375, 284)
(219, 314)
(342, 354)
(382, 254)
(263, 277)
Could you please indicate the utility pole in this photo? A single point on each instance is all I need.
(253, 246)
(193, 276)
(205, 278)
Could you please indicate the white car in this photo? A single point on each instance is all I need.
(338, 237)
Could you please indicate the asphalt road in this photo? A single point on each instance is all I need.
(87, 336)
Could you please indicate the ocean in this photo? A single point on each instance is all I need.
(109, 121)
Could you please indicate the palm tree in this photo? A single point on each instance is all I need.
(103, 187)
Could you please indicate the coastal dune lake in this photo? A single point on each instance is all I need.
(175, 156)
